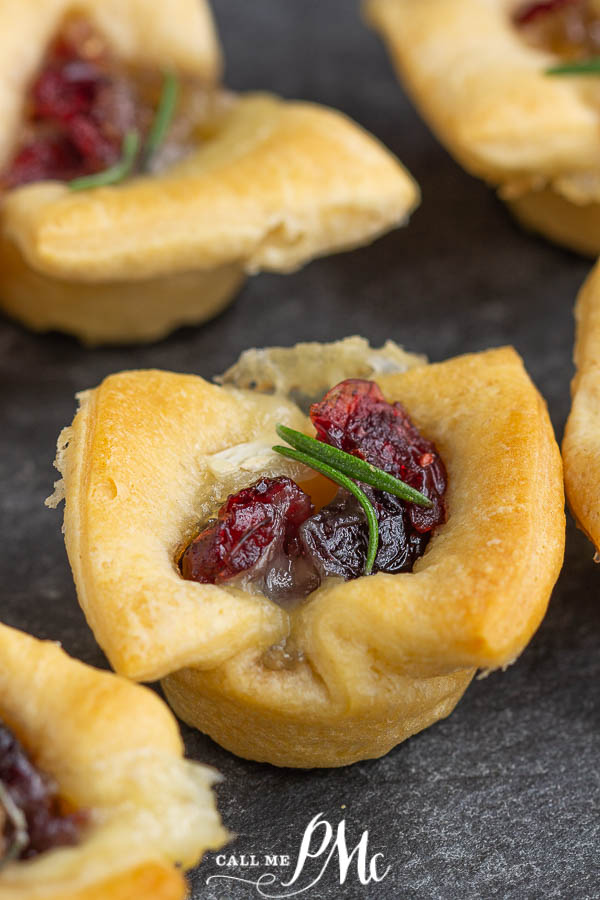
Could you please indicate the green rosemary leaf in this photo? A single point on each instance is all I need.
(352, 466)
(20, 834)
(114, 174)
(589, 66)
(162, 118)
(345, 482)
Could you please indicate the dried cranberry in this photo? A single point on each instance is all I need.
(337, 537)
(354, 416)
(400, 544)
(65, 89)
(532, 11)
(52, 157)
(96, 149)
(256, 533)
(34, 794)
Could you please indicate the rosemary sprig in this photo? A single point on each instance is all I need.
(162, 118)
(352, 466)
(345, 482)
(16, 817)
(113, 174)
(589, 66)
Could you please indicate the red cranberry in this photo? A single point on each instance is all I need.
(52, 157)
(87, 136)
(354, 416)
(72, 100)
(65, 89)
(256, 533)
(35, 796)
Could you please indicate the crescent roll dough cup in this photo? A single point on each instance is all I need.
(113, 749)
(483, 90)
(581, 444)
(271, 185)
(381, 657)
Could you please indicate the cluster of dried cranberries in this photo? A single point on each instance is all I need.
(80, 107)
(270, 534)
(35, 797)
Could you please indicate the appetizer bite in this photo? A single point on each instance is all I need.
(512, 88)
(96, 799)
(581, 443)
(314, 589)
(136, 193)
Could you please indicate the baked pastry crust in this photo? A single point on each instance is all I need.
(383, 656)
(272, 185)
(581, 443)
(483, 91)
(113, 748)
(558, 219)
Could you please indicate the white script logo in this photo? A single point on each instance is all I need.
(367, 868)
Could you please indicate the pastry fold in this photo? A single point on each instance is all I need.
(270, 185)
(485, 93)
(382, 656)
(581, 443)
(114, 749)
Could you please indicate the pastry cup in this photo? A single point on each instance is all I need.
(271, 185)
(484, 92)
(581, 443)
(114, 749)
(382, 656)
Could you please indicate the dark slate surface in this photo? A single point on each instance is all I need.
(500, 800)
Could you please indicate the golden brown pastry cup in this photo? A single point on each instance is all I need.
(485, 93)
(270, 185)
(150, 454)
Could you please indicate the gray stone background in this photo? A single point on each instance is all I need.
(500, 800)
